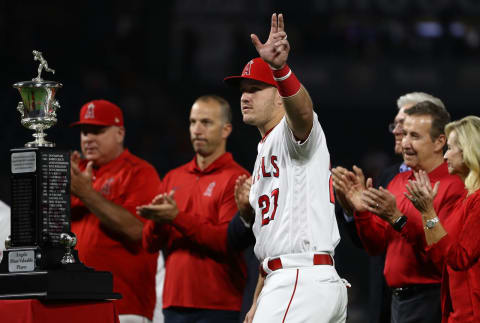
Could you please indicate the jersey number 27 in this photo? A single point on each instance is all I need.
(264, 205)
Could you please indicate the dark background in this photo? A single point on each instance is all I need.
(153, 58)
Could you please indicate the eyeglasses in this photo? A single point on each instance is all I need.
(393, 125)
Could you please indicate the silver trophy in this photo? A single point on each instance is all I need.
(38, 106)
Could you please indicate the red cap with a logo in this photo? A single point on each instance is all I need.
(256, 70)
(100, 113)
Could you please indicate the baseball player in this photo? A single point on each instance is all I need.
(291, 193)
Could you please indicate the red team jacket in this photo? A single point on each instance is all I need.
(406, 261)
(129, 182)
(200, 271)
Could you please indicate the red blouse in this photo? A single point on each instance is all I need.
(459, 253)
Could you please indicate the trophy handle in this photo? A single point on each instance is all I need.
(55, 107)
(20, 108)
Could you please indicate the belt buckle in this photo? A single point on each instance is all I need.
(404, 292)
(399, 291)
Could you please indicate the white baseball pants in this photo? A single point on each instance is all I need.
(313, 294)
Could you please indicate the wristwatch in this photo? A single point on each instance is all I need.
(400, 223)
(430, 223)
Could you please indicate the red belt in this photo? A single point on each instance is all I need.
(276, 263)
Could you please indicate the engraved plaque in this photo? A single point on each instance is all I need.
(55, 197)
(20, 261)
(24, 162)
(40, 196)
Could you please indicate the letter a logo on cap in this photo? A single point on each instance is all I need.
(247, 69)
(90, 114)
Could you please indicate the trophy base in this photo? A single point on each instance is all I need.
(61, 284)
(35, 144)
(34, 272)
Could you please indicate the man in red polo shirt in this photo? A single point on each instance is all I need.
(204, 279)
(388, 222)
(107, 185)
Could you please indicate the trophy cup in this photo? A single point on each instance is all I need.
(38, 106)
(40, 260)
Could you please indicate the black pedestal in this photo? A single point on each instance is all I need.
(32, 265)
(58, 284)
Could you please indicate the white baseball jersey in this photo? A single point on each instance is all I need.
(292, 194)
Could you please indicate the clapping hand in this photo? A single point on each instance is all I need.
(421, 193)
(382, 203)
(242, 193)
(80, 181)
(349, 187)
(162, 209)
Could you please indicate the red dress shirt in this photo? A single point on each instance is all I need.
(200, 271)
(458, 253)
(127, 181)
(406, 261)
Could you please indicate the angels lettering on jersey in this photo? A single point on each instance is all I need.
(267, 170)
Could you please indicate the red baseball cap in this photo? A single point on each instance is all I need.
(100, 113)
(256, 70)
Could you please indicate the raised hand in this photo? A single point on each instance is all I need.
(421, 192)
(80, 182)
(75, 157)
(275, 50)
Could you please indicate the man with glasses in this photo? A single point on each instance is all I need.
(379, 293)
(387, 223)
